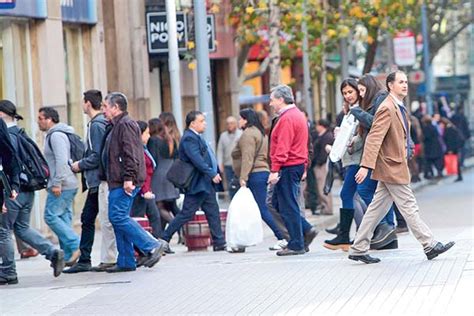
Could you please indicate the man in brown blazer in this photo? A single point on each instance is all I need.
(386, 153)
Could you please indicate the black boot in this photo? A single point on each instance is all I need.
(334, 230)
(342, 240)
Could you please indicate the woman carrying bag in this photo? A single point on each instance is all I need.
(250, 164)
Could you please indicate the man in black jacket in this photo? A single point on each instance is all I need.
(17, 216)
(89, 166)
(123, 159)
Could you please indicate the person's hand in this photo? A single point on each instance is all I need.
(328, 148)
(56, 191)
(273, 178)
(345, 107)
(221, 168)
(243, 183)
(303, 177)
(149, 195)
(75, 167)
(217, 179)
(361, 175)
(13, 195)
(4, 208)
(128, 187)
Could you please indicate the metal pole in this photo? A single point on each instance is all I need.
(306, 68)
(173, 63)
(204, 70)
(426, 58)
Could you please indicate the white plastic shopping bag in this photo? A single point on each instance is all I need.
(344, 136)
(244, 223)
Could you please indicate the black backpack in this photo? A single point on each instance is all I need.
(34, 173)
(76, 145)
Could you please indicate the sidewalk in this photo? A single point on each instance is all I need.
(322, 282)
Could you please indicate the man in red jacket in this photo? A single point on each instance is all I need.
(288, 160)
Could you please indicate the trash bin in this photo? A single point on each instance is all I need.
(197, 233)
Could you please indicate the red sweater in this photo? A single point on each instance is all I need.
(289, 140)
(149, 173)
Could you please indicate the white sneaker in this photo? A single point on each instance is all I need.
(281, 244)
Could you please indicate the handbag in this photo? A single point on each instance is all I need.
(347, 130)
(181, 174)
(329, 178)
(451, 164)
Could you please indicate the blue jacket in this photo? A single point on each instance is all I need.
(193, 149)
(89, 165)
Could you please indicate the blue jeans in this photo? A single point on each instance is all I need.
(208, 204)
(18, 219)
(128, 232)
(285, 199)
(58, 216)
(366, 191)
(257, 183)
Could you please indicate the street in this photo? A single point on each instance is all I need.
(321, 282)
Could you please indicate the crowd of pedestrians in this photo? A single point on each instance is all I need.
(124, 166)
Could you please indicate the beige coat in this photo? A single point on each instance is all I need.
(244, 153)
(385, 147)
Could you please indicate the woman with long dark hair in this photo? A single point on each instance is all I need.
(164, 150)
(250, 165)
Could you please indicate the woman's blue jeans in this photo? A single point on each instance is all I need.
(366, 191)
(257, 183)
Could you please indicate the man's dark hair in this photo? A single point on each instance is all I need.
(251, 117)
(94, 97)
(391, 78)
(191, 117)
(50, 113)
(117, 99)
(324, 123)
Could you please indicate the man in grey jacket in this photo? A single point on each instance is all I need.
(226, 144)
(96, 202)
(62, 184)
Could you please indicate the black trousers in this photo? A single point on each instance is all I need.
(88, 217)
(142, 207)
(208, 204)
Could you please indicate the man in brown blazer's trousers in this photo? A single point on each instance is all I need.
(386, 153)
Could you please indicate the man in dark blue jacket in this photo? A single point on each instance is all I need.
(201, 193)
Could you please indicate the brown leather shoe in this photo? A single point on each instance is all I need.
(102, 267)
(29, 253)
(75, 256)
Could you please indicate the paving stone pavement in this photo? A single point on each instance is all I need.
(322, 282)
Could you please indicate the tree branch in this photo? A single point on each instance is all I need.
(258, 73)
(435, 48)
(242, 55)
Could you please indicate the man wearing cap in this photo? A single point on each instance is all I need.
(17, 217)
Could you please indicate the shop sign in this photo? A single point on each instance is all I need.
(404, 48)
(157, 32)
(79, 11)
(7, 4)
(29, 9)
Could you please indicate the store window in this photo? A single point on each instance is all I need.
(74, 77)
(15, 83)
